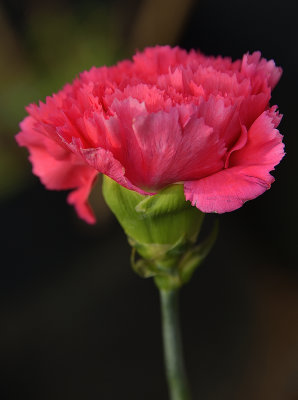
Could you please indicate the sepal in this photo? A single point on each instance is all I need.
(162, 230)
(163, 218)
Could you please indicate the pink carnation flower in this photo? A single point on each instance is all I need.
(166, 117)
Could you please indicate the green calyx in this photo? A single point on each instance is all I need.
(162, 229)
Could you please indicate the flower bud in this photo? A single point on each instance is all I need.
(161, 228)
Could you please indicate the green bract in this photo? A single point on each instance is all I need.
(162, 229)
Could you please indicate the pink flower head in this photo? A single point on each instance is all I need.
(166, 117)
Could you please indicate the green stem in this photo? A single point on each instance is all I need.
(173, 354)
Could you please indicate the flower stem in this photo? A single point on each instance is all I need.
(173, 354)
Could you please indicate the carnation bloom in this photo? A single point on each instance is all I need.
(165, 117)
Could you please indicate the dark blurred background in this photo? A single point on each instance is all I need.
(76, 323)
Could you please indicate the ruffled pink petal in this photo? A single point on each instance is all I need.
(118, 155)
(264, 148)
(103, 161)
(199, 153)
(57, 168)
(248, 175)
(158, 136)
(153, 97)
(222, 117)
(120, 126)
(168, 146)
(155, 61)
(223, 64)
(253, 106)
(260, 71)
(79, 197)
(221, 83)
(239, 144)
(224, 191)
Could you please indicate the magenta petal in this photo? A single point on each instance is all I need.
(248, 175)
(223, 118)
(253, 106)
(264, 148)
(239, 144)
(224, 191)
(158, 136)
(79, 199)
(200, 152)
(103, 161)
(260, 70)
(58, 168)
